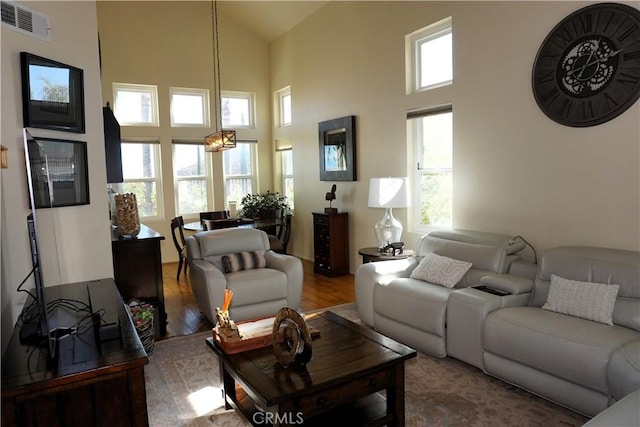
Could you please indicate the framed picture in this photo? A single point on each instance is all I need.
(52, 94)
(59, 172)
(337, 149)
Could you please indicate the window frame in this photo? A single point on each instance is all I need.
(207, 177)
(251, 97)
(157, 165)
(286, 176)
(252, 177)
(418, 171)
(152, 90)
(413, 43)
(204, 96)
(280, 107)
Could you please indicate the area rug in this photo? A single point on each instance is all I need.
(182, 390)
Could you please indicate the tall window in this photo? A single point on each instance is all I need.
(432, 134)
(141, 172)
(238, 109)
(189, 107)
(287, 175)
(135, 105)
(283, 101)
(430, 57)
(239, 171)
(190, 176)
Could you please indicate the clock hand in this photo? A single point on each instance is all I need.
(595, 61)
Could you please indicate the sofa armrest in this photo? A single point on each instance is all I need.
(372, 273)
(208, 284)
(292, 267)
(515, 285)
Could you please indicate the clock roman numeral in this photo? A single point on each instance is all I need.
(629, 56)
(565, 35)
(587, 110)
(628, 79)
(550, 96)
(547, 77)
(586, 23)
(627, 33)
(610, 101)
(565, 107)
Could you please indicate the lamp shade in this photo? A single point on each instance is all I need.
(389, 193)
(220, 140)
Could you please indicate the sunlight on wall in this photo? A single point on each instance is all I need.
(205, 400)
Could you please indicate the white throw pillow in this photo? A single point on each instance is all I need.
(441, 270)
(592, 301)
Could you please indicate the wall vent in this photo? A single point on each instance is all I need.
(24, 20)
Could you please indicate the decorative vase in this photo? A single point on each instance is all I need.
(127, 215)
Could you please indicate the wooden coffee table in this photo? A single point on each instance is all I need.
(350, 365)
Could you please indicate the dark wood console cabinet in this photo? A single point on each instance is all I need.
(91, 382)
(331, 243)
(137, 269)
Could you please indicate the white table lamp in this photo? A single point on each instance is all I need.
(388, 193)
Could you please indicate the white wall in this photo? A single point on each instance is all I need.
(74, 241)
(516, 171)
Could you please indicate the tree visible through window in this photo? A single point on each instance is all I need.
(140, 167)
(190, 178)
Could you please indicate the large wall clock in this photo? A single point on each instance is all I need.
(587, 70)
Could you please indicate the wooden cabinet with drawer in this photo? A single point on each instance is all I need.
(331, 243)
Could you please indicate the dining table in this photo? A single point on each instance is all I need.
(261, 224)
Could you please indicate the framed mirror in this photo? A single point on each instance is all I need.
(59, 172)
(337, 149)
(52, 94)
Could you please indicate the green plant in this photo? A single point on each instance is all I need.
(254, 205)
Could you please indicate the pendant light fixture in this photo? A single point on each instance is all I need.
(221, 139)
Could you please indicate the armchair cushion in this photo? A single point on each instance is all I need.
(243, 261)
(441, 270)
(591, 301)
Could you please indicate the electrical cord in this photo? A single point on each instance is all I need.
(535, 255)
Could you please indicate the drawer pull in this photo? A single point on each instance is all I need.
(321, 401)
(373, 382)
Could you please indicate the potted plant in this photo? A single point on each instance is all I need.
(264, 205)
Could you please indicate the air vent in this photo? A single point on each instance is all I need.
(24, 20)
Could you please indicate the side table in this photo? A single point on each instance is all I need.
(372, 254)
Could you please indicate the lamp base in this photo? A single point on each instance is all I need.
(388, 230)
(331, 210)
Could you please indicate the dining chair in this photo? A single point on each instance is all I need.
(215, 224)
(214, 215)
(177, 232)
(280, 241)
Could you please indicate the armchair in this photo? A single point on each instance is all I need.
(257, 292)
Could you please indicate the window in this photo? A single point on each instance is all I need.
(430, 57)
(287, 175)
(237, 109)
(189, 107)
(190, 177)
(283, 99)
(239, 171)
(135, 105)
(432, 134)
(141, 172)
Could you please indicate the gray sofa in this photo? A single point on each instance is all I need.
(578, 363)
(414, 311)
(581, 364)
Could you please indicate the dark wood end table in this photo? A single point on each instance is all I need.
(372, 254)
(340, 384)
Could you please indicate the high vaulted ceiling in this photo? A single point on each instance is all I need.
(269, 19)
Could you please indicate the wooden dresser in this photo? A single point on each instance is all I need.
(331, 243)
(137, 269)
(92, 382)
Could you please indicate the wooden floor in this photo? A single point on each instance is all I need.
(185, 317)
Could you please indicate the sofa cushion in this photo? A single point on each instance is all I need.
(591, 301)
(568, 347)
(257, 286)
(413, 302)
(243, 261)
(440, 270)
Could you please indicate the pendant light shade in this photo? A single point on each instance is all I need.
(221, 139)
